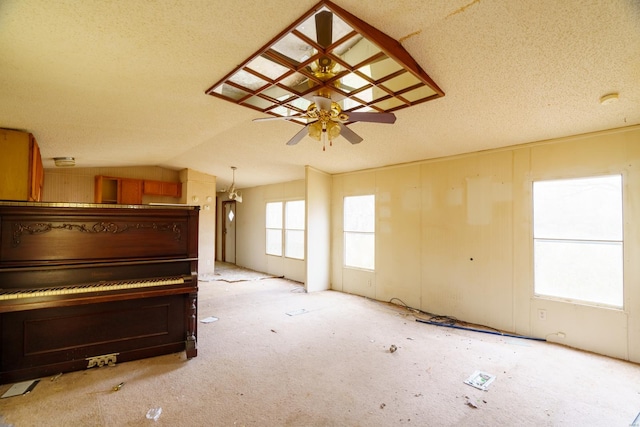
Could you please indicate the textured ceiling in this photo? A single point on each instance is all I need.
(122, 83)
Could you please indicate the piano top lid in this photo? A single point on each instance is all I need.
(97, 205)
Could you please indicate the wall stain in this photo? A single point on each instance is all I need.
(462, 9)
(415, 33)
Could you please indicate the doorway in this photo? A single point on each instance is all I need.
(229, 231)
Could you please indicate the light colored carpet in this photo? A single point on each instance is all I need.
(327, 363)
(231, 273)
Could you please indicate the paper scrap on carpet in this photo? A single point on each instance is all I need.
(20, 388)
(480, 380)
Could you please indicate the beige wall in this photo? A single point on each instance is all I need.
(200, 189)
(454, 237)
(250, 230)
(318, 230)
(76, 185)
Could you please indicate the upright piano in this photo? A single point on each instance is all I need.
(92, 285)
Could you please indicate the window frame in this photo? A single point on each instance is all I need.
(361, 233)
(289, 228)
(284, 228)
(577, 298)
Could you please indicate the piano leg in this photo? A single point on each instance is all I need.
(191, 345)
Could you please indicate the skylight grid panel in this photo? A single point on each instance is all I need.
(295, 49)
(278, 94)
(299, 83)
(267, 67)
(299, 103)
(258, 102)
(422, 93)
(334, 58)
(361, 52)
(285, 111)
(389, 104)
(248, 81)
(380, 68)
(402, 81)
(230, 92)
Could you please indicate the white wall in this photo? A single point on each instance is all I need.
(454, 237)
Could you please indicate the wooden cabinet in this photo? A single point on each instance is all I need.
(162, 188)
(21, 171)
(114, 190)
(129, 191)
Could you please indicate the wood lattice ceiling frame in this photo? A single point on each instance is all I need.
(385, 76)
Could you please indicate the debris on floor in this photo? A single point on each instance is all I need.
(297, 312)
(56, 377)
(471, 402)
(393, 348)
(154, 413)
(18, 389)
(118, 387)
(209, 319)
(480, 380)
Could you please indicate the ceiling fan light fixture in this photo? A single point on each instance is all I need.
(315, 130)
(333, 130)
(233, 193)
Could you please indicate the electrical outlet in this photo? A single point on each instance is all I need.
(542, 314)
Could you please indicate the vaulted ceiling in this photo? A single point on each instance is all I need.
(124, 83)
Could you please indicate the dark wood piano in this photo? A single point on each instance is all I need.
(93, 285)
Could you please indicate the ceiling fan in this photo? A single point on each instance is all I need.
(233, 193)
(326, 121)
(325, 118)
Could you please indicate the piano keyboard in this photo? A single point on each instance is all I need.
(93, 287)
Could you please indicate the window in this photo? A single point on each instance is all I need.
(274, 228)
(285, 222)
(359, 232)
(578, 239)
(294, 229)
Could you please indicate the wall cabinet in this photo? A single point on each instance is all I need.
(21, 171)
(114, 190)
(162, 188)
(129, 191)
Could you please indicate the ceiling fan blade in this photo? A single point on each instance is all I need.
(266, 119)
(350, 135)
(298, 136)
(322, 103)
(324, 28)
(372, 117)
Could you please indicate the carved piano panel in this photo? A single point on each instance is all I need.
(69, 235)
(80, 285)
